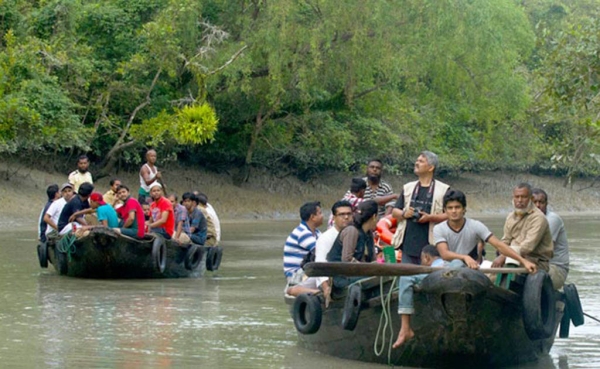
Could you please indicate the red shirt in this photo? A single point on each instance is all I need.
(159, 207)
(133, 205)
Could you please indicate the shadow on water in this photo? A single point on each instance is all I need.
(233, 318)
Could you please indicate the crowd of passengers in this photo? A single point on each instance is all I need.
(432, 230)
(75, 207)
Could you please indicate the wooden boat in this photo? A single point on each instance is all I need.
(103, 253)
(460, 317)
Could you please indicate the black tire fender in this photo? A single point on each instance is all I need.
(62, 261)
(193, 257)
(307, 313)
(212, 257)
(352, 308)
(159, 254)
(217, 261)
(574, 304)
(539, 306)
(42, 250)
(565, 324)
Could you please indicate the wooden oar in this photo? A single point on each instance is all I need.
(376, 269)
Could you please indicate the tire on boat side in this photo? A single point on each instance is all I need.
(565, 324)
(307, 313)
(193, 257)
(217, 262)
(574, 304)
(212, 259)
(42, 250)
(159, 254)
(539, 306)
(62, 261)
(352, 308)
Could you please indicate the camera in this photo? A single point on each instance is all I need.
(416, 215)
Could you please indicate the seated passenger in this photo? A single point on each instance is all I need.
(110, 197)
(107, 216)
(146, 208)
(163, 216)
(53, 213)
(131, 213)
(182, 224)
(196, 218)
(355, 242)
(211, 230)
(53, 195)
(355, 196)
(78, 202)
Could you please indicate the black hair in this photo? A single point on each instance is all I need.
(189, 196)
(85, 189)
(539, 191)
(51, 191)
(455, 195)
(365, 211)
(524, 185)
(112, 181)
(202, 198)
(174, 195)
(375, 159)
(83, 157)
(308, 209)
(431, 250)
(357, 184)
(121, 187)
(340, 204)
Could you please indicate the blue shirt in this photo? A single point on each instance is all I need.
(297, 245)
(106, 212)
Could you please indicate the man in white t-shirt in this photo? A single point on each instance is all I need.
(53, 212)
(342, 216)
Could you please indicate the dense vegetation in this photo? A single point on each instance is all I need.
(304, 85)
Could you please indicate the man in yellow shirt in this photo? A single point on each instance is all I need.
(81, 175)
(110, 197)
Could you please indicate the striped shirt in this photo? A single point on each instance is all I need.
(383, 189)
(297, 245)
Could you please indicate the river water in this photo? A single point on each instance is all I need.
(233, 318)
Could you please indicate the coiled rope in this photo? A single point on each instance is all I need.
(384, 321)
(66, 244)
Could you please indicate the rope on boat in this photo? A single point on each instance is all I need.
(384, 321)
(67, 244)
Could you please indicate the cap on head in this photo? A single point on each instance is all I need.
(97, 197)
(65, 185)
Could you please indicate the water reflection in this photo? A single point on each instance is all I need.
(235, 318)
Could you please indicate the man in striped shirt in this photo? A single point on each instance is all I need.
(377, 189)
(302, 239)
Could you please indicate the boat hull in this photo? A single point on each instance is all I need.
(104, 254)
(459, 318)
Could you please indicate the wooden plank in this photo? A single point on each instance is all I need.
(377, 269)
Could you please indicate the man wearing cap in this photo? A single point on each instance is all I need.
(163, 216)
(131, 213)
(53, 213)
(77, 203)
(107, 216)
(81, 175)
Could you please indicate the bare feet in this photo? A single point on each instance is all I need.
(403, 336)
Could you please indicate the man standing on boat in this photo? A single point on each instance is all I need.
(559, 264)
(302, 239)
(377, 189)
(149, 176)
(419, 209)
(527, 231)
(81, 175)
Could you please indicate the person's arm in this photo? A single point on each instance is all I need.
(448, 255)
(80, 214)
(435, 218)
(382, 200)
(507, 251)
(349, 239)
(148, 176)
(104, 223)
(160, 221)
(537, 226)
(48, 220)
(130, 219)
(401, 213)
(178, 228)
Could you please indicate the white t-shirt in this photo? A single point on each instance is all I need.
(324, 245)
(54, 211)
(463, 241)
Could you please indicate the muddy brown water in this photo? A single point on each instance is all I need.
(234, 318)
